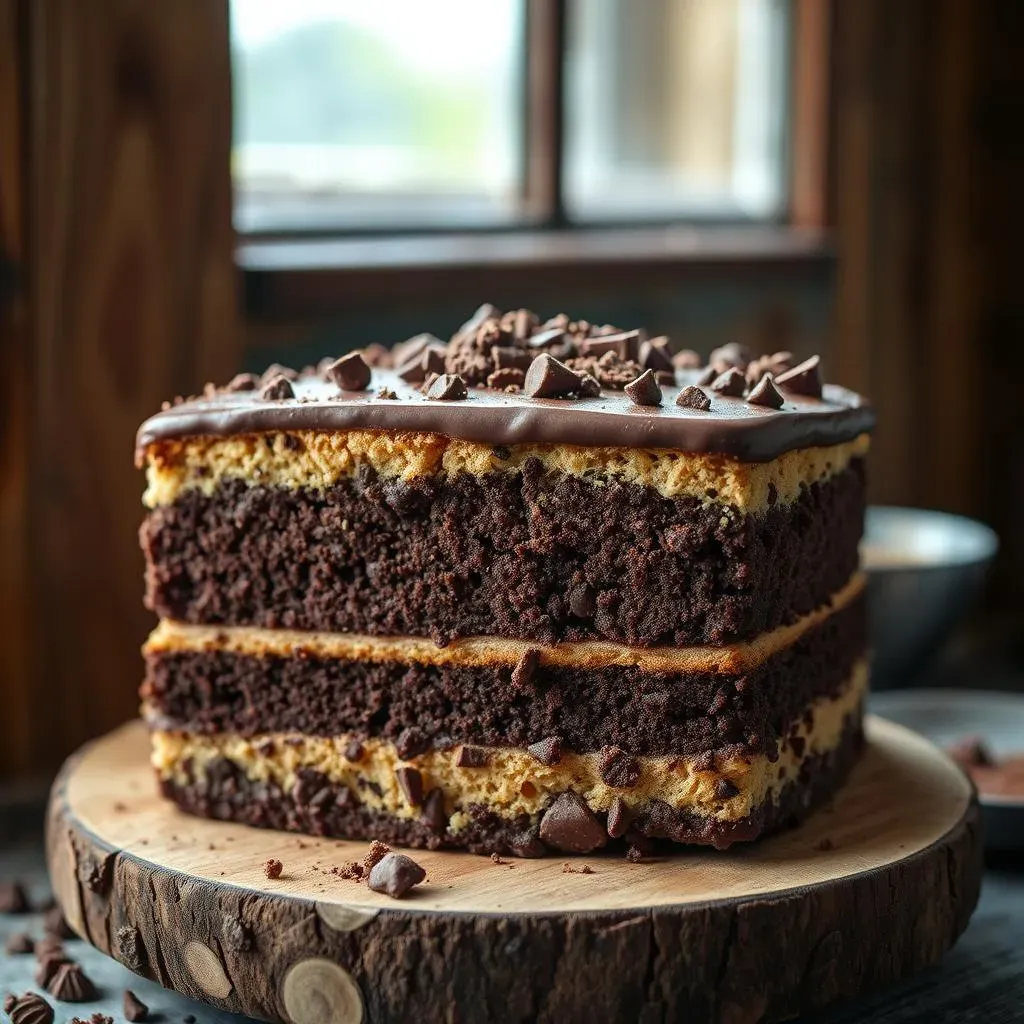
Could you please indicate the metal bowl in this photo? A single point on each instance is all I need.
(925, 570)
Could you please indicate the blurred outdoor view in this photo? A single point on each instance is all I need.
(398, 113)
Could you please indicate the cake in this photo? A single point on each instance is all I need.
(544, 587)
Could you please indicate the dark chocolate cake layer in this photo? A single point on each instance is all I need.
(437, 706)
(530, 555)
(322, 808)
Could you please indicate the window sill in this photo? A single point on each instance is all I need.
(294, 278)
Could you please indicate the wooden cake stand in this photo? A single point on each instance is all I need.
(874, 887)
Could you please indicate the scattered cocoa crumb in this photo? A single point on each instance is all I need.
(352, 870)
(634, 855)
(273, 868)
(583, 869)
(377, 852)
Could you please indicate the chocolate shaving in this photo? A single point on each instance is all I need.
(692, 397)
(547, 751)
(732, 383)
(395, 875)
(549, 378)
(411, 783)
(571, 826)
(350, 373)
(645, 390)
(804, 379)
(766, 393)
(277, 389)
(449, 387)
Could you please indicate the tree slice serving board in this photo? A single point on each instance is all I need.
(869, 890)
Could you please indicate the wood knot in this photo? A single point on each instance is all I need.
(318, 991)
(206, 969)
(345, 919)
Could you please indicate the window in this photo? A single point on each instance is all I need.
(354, 116)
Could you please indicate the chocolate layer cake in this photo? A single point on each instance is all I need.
(538, 588)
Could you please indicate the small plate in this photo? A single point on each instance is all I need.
(947, 717)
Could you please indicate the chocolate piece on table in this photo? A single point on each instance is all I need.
(134, 1008)
(449, 387)
(708, 376)
(277, 389)
(732, 383)
(549, 378)
(654, 355)
(645, 390)
(395, 875)
(803, 379)
(571, 826)
(350, 372)
(766, 393)
(71, 985)
(29, 1008)
(693, 397)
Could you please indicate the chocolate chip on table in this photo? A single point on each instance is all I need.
(730, 355)
(13, 899)
(654, 355)
(525, 668)
(242, 382)
(693, 397)
(618, 818)
(547, 751)
(29, 1008)
(449, 387)
(618, 768)
(549, 378)
(411, 783)
(707, 377)
(276, 389)
(732, 382)
(645, 390)
(273, 868)
(134, 1008)
(590, 387)
(375, 854)
(71, 985)
(395, 874)
(19, 944)
(766, 393)
(426, 361)
(48, 967)
(776, 363)
(472, 757)
(571, 826)
(804, 379)
(351, 372)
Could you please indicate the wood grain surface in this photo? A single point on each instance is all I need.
(871, 889)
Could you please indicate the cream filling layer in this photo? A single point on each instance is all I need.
(514, 783)
(731, 659)
(318, 460)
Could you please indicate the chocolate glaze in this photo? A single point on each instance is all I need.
(732, 426)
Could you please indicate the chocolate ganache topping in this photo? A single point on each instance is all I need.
(510, 379)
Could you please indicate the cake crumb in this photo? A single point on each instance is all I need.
(273, 868)
(352, 870)
(377, 852)
(583, 869)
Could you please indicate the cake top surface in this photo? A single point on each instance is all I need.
(507, 379)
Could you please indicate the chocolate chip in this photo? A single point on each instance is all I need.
(731, 355)
(511, 358)
(766, 393)
(618, 768)
(525, 668)
(654, 355)
(472, 757)
(354, 751)
(707, 377)
(547, 751)
(434, 815)
(242, 382)
(621, 343)
(134, 1008)
(776, 363)
(9, 1000)
(545, 339)
(449, 387)
(350, 373)
(725, 790)
(804, 379)
(48, 967)
(618, 818)
(395, 875)
(411, 783)
(30, 1009)
(273, 868)
(430, 360)
(71, 985)
(693, 397)
(590, 387)
(411, 743)
(13, 899)
(548, 378)
(645, 390)
(277, 389)
(19, 944)
(686, 359)
(732, 383)
(571, 826)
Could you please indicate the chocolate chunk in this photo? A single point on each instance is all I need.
(693, 397)
(242, 382)
(395, 875)
(48, 967)
(276, 389)
(654, 355)
(71, 985)
(30, 1009)
(776, 363)
(273, 868)
(354, 751)
(56, 924)
(728, 356)
(548, 378)
(411, 783)
(547, 338)
(13, 899)
(708, 377)
(19, 944)
(725, 790)
(412, 348)
(134, 1008)
(618, 818)
(571, 826)
(732, 383)
(618, 768)
(411, 743)
(547, 751)
(430, 360)
(350, 373)
(235, 935)
(472, 757)
(623, 343)
(434, 815)
(308, 785)
(511, 358)
(525, 668)
(502, 380)
(375, 854)
(645, 390)
(449, 387)
(590, 386)
(804, 379)
(686, 359)
(582, 602)
(766, 393)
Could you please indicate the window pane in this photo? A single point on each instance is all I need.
(676, 108)
(353, 114)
